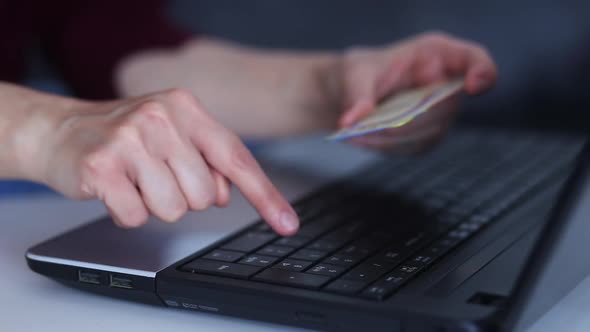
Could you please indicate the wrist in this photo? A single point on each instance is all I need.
(30, 136)
(329, 75)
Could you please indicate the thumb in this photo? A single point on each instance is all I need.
(366, 83)
(360, 95)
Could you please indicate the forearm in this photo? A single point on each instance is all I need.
(26, 117)
(256, 93)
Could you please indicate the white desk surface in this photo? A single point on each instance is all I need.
(31, 302)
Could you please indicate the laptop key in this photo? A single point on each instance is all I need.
(359, 249)
(258, 260)
(368, 271)
(419, 239)
(291, 278)
(448, 241)
(249, 241)
(308, 254)
(373, 241)
(394, 255)
(224, 255)
(273, 250)
(347, 287)
(221, 268)
(449, 219)
(326, 245)
(481, 219)
(354, 227)
(376, 292)
(306, 213)
(327, 270)
(422, 259)
(332, 241)
(459, 234)
(434, 204)
(342, 260)
(263, 227)
(384, 287)
(293, 265)
(294, 241)
(408, 268)
(318, 227)
(469, 226)
(436, 250)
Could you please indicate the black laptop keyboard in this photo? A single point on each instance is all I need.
(369, 235)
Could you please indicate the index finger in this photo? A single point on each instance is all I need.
(225, 152)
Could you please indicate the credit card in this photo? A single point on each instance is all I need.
(400, 109)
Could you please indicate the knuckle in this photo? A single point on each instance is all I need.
(85, 191)
(126, 133)
(180, 95)
(185, 99)
(97, 164)
(151, 106)
(151, 112)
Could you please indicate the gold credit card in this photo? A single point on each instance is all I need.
(400, 109)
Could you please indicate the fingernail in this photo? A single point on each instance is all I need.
(289, 222)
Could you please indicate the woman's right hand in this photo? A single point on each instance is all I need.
(160, 153)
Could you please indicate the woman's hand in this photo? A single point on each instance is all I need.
(160, 153)
(368, 75)
(299, 92)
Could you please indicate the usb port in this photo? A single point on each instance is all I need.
(89, 277)
(120, 282)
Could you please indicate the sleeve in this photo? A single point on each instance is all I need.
(87, 38)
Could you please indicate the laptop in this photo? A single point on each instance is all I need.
(484, 233)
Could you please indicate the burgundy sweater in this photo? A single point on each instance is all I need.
(85, 39)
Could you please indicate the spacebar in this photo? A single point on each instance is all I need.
(291, 278)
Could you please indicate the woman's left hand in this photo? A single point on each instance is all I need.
(367, 75)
